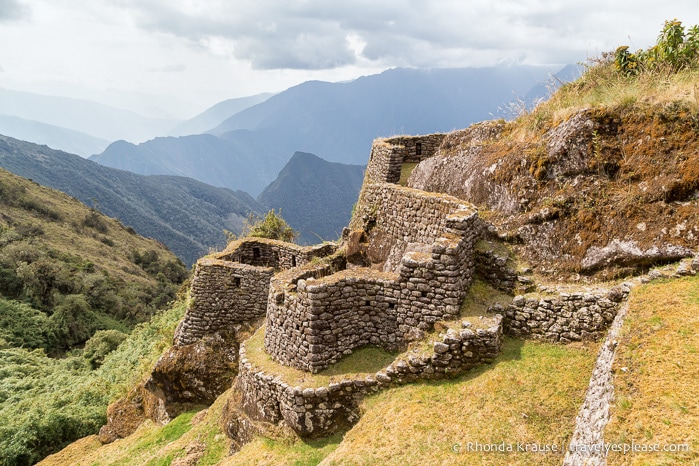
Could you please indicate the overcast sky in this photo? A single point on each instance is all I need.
(201, 52)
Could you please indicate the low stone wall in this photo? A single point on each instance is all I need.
(264, 252)
(388, 155)
(564, 318)
(316, 411)
(222, 295)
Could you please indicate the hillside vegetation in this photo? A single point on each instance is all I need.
(69, 277)
(601, 179)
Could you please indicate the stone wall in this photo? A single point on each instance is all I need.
(415, 149)
(388, 155)
(566, 317)
(222, 295)
(273, 253)
(396, 217)
(431, 239)
(232, 287)
(316, 411)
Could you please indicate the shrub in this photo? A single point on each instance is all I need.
(675, 49)
(95, 221)
(101, 344)
(271, 226)
(22, 326)
(72, 321)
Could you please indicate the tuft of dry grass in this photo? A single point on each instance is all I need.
(656, 373)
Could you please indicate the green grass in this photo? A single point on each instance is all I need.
(531, 393)
(153, 444)
(480, 297)
(155, 440)
(297, 452)
(655, 383)
(405, 172)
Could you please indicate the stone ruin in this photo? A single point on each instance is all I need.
(405, 263)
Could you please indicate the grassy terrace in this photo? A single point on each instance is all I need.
(361, 363)
(656, 373)
(530, 394)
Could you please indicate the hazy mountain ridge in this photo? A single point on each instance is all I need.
(56, 137)
(216, 114)
(337, 120)
(186, 215)
(95, 119)
(241, 162)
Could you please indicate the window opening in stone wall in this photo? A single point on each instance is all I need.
(367, 303)
(418, 148)
(423, 294)
(256, 253)
(236, 282)
(293, 261)
(391, 305)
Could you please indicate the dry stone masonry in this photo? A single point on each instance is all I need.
(406, 262)
(564, 318)
(231, 287)
(425, 277)
(316, 411)
(388, 155)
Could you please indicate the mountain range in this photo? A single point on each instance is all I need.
(91, 118)
(186, 215)
(336, 121)
(57, 137)
(214, 115)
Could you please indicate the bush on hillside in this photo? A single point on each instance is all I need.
(101, 344)
(23, 326)
(676, 48)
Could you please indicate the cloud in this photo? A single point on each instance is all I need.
(317, 34)
(12, 10)
(174, 68)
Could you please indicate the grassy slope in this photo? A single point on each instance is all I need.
(152, 444)
(656, 373)
(530, 394)
(109, 250)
